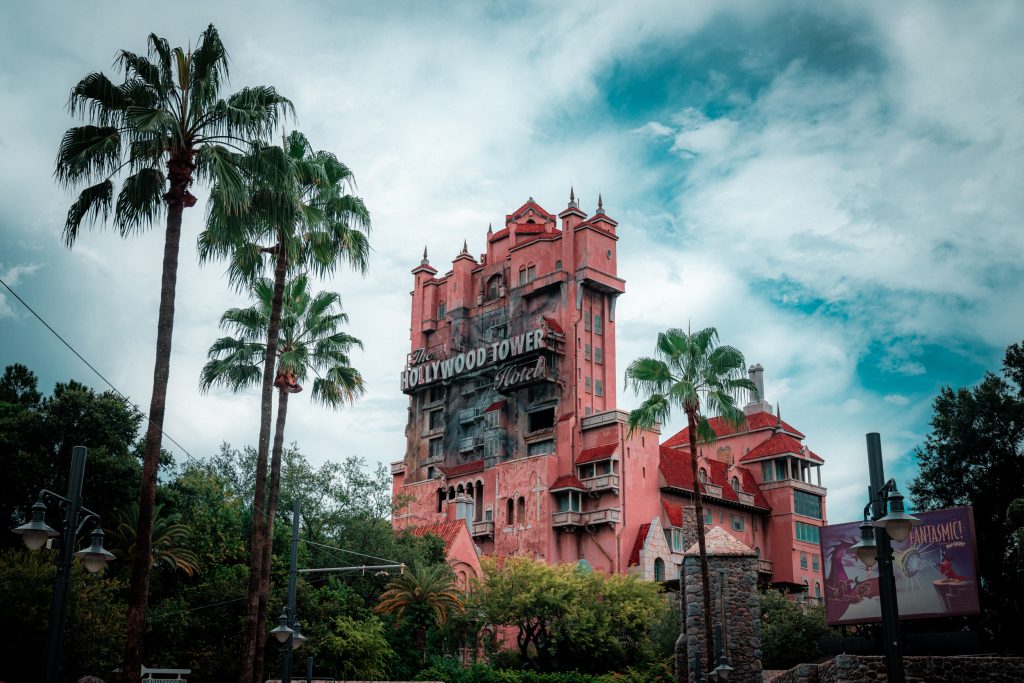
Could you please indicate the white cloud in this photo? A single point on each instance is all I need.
(12, 276)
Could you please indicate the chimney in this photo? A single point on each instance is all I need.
(757, 404)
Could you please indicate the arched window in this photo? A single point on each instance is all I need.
(440, 500)
(703, 476)
(817, 590)
(735, 484)
(509, 512)
(659, 569)
(757, 551)
(521, 510)
(522, 275)
(493, 287)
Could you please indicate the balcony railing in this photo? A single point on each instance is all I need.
(567, 518)
(603, 516)
(468, 443)
(605, 482)
(713, 490)
(398, 467)
(483, 529)
(745, 498)
(765, 567)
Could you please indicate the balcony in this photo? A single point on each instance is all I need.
(468, 443)
(602, 516)
(607, 482)
(765, 567)
(712, 490)
(745, 498)
(482, 529)
(567, 519)
(398, 467)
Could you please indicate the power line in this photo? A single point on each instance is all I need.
(350, 552)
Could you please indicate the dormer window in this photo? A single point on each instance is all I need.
(494, 287)
(736, 484)
(703, 476)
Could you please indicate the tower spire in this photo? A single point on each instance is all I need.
(600, 203)
(573, 204)
(425, 261)
(465, 247)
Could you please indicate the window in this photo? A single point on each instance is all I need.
(440, 497)
(521, 511)
(464, 509)
(599, 387)
(678, 542)
(541, 447)
(659, 569)
(493, 287)
(436, 448)
(492, 419)
(541, 419)
(558, 264)
(806, 532)
(817, 590)
(598, 355)
(586, 385)
(522, 276)
(568, 501)
(735, 484)
(807, 504)
(509, 512)
(436, 394)
(442, 309)
(737, 523)
(815, 563)
(586, 351)
(767, 471)
(707, 517)
(609, 254)
(703, 475)
(492, 447)
(435, 419)
(781, 471)
(757, 551)
(531, 273)
(803, 560)
(597, 324)
(587, 411)
(586, 321)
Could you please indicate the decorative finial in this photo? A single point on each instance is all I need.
(490, 228)
(600, 203)
(424, 262)
(778, 416)
(465, 247)
(572, 198)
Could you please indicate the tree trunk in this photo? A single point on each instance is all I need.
(259, 518)
(180, 169)
(268, 542)
(705, 575)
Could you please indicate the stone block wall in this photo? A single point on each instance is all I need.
(856, 669)
(736, 578)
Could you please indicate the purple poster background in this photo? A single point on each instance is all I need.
(935, 568)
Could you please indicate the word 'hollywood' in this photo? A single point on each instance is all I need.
(432, 371)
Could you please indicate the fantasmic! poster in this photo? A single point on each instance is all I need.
(935, 568)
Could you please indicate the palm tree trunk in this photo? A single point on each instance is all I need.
(180, 175)
(705, 574)
(268, 542)
(252, 607)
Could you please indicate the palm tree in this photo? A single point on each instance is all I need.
(170, 539)
(309, 343)
(423, 590)
(690, 371)
(165, 125)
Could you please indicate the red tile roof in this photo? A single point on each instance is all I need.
(603, 452)
(530, 229)
(676, 469)
(497, 405)
(568, 481)
(753, 423)
(553, 324)
(638, 544)
(778, 444)
(465, 468)
(446, 531)
(814, 456)
(674, 513)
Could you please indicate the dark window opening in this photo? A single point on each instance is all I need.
(493, 287)
(521, 510)
(541, 419)
(509, 512)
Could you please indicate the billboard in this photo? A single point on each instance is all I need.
(935, 567)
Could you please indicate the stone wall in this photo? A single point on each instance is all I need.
(855, 669)
(736, 578)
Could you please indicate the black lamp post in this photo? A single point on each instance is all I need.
(288, 631)
(35, 534)
(888, 520)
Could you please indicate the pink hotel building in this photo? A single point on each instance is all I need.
(515, 441)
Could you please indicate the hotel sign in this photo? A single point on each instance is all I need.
(935, 567)
(430, 371)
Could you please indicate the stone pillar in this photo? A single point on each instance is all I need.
(734, 604)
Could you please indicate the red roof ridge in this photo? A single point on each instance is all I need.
(594, 453)
(638, 544)
(568, 481)
(751, 423)
(446, 530)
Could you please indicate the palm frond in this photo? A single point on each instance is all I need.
(656, 409)
(98, 99)
(209, 67)
(140, 201)
(93, 202)
(88, 153)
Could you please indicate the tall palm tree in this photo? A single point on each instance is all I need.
(170, 539)
(692, 372)
(422, 589)
(309, 343)
(165, 125)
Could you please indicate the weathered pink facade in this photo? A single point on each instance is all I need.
(513, 424)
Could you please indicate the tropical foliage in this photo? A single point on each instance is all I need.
(426, 594)
(790, 631)
(693, 373)
(164, 126)
(171, 539)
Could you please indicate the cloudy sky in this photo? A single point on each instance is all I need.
(835, 186)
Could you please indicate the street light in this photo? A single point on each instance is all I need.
(888, 520)
(37, 532)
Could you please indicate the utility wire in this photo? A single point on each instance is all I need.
(350, 552)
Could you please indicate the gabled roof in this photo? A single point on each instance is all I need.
(675, 467)
(470, 467)
(446, 531)
(638, 544)
(497, 405)
(753, 423)
(674, 513)
(720, 542)
(778, 444)
(553, 324)
(567, 482)
(603, 452)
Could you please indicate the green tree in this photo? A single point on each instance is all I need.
(790, 632)
(690, 371)
(973, 456)
(171, 539)
(427, 593)
(19, 386)
(310, 343)
(166, 124)
(299, 212)
(355, 650)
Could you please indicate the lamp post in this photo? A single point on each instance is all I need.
(35, 534)
(288, 631)
(888, 520)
